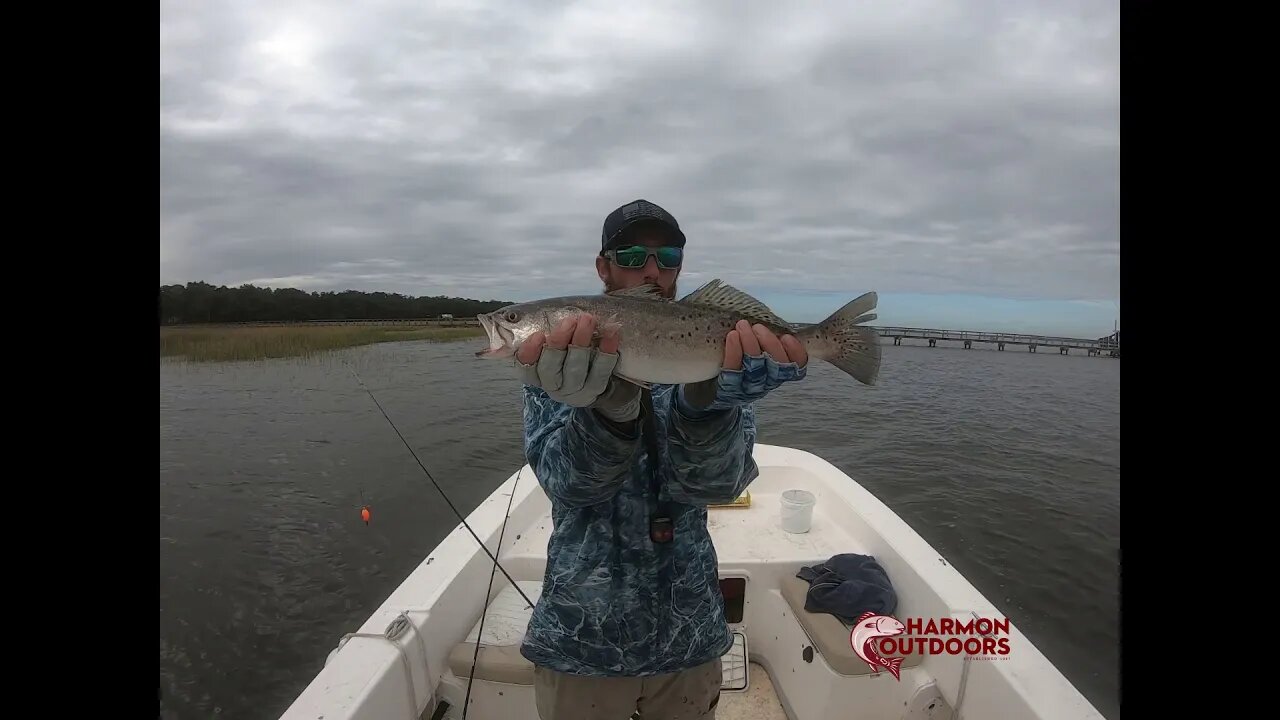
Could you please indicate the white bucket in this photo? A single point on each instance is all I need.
(797, 510)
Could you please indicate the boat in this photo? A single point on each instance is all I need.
(413, 657)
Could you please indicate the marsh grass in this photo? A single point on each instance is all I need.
(226, 344)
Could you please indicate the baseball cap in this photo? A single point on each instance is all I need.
(635, 212)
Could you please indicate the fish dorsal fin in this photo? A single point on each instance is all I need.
(644, 292)
(720, 296)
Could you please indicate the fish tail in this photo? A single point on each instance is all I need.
(840, 341)
(894, 665)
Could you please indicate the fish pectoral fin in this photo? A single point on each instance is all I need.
(719, 296)
(645, 292)
(700, 395)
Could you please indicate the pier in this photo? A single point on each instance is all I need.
(1108, 346)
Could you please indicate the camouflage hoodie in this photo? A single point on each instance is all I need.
(613, 602)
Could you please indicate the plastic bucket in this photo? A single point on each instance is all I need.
(797, 510)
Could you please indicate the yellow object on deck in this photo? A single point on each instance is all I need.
(743, 501)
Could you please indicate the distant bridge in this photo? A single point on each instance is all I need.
(1109, 345)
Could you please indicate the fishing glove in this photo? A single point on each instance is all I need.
(583, 377)
(759, 376)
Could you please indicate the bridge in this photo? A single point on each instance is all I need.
(1109, 345)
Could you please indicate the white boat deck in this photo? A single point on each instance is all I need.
(759, 702)
(801, 664)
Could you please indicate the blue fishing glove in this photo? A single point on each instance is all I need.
(759, 376)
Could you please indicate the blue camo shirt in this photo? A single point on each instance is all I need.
(613, 602)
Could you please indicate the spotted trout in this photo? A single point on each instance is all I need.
(681, 342)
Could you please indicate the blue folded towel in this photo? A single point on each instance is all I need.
(847, 586)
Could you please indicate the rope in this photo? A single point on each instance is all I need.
(404, 658)
(964, 674)
(396, 629)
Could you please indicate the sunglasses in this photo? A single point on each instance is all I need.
(635, 256)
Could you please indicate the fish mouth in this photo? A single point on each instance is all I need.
(498, 346)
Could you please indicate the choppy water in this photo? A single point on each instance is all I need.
(1007, 462)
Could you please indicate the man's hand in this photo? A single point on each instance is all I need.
(747, 339)
(756, 362)
(578, 328)
(572, 370)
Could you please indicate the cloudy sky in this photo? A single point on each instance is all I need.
(959, 158)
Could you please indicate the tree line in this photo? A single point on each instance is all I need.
(201, 302)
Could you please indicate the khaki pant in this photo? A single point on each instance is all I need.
(689, 695)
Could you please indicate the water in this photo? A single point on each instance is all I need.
(1008, 463)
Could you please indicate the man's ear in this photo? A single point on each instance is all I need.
(602, 268)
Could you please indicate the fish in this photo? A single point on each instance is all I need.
(870, 628)
(664, 341)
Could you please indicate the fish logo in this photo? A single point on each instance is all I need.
(870, 628)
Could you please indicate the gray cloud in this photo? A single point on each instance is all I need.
(905, 147)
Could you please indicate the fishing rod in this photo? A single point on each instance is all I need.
(445, 495)
(475, 658)
(365, 514)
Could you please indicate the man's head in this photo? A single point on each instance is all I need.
(641, 243)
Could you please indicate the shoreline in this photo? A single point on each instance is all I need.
(265, 342)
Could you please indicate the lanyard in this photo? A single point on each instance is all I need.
(661, 529)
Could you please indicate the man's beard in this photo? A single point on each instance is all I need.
(609, 287)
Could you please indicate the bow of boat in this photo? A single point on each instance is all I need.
(414, 655)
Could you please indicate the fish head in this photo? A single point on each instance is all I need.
(889, 626)
(508, 327)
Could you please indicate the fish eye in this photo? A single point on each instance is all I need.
(512, 316)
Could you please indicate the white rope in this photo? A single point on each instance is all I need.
(396, 629)
(964, 671)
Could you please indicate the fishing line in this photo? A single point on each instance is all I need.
(475, 658)
(445, 495)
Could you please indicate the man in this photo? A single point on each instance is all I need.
(631, 617)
